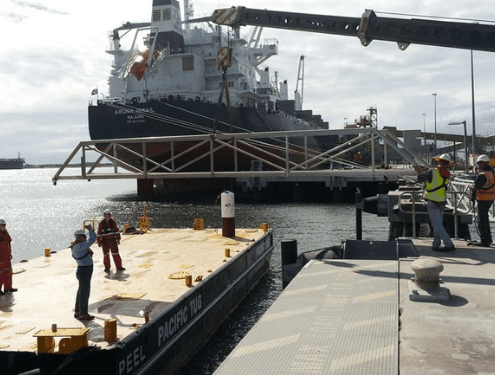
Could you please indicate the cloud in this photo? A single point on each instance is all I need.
(37, 6)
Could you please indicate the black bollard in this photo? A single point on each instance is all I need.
(359, 215)
(289, 256)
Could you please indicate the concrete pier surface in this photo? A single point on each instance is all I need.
(362, 317)
(47, 286)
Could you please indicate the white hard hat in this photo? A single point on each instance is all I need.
(79, 232)
(2, 222)
(445, 157)
(483, 159)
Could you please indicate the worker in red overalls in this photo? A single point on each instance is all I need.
(5, 260)
(109, 239)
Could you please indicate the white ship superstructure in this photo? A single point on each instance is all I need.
(165, 59)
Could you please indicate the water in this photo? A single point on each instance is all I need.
(40, 215)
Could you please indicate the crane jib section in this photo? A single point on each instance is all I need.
(369, 27)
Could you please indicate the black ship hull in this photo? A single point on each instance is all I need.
(173, 117)
(11, 163)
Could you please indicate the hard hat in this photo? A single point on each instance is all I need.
(79, 232)
(483, 159)
(2, 222)
(107, 212)
(445, 157)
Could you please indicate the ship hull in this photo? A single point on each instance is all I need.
(12, 164)
(183, 117)
(172, 117)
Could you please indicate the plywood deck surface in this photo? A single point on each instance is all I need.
(47, 286)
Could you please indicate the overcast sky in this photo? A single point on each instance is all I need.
(53, 56)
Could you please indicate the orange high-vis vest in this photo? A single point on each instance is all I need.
(487, 192)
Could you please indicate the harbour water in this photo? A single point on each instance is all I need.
(41, 215)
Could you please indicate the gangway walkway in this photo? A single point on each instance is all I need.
(282, 154)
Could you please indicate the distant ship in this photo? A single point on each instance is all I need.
(12, 163)
(167, 82)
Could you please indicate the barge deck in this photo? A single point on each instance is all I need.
(181, 317)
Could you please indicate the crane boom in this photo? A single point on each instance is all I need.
(369, 27)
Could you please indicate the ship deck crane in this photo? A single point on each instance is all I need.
(369, 27)
(298, 95)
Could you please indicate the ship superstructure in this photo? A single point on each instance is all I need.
(167, 73)
(166, 60)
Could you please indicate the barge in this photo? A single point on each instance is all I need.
(147, 319)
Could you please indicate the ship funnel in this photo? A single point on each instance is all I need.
(166, 24)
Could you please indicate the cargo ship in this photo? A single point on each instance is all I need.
(17, 163)
(167, 79)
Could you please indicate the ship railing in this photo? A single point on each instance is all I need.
(283, 154)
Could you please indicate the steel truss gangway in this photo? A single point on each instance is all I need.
(223, 155)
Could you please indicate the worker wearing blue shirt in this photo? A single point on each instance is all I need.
(83, 255)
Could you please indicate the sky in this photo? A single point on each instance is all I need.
(53, 56)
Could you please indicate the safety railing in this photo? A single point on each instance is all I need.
(459, 202)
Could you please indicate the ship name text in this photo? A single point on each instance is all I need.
(179, 319)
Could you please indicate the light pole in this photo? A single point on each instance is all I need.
(424, 134)
(465, 145)
(435, 96)
(472, 107)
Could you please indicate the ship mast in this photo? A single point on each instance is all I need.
(188, 13)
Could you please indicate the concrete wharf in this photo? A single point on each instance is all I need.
(362, 317)
(47, 288)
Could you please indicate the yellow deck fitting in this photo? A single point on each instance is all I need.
(199, 224)
(179, 275)
(111, 330)
(189, 280)
(75, 338)
(144, 221)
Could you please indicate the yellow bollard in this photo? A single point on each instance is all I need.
(111, 330)
(227, 253)
(189, 280)
(264, 227)
(47, 251)
(144, 221)
(199, 224)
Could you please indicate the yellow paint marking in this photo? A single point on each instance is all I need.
(286, 314)
(305, 290)
(265, 345)
(370, 297)
(362, 357)
(369, 322)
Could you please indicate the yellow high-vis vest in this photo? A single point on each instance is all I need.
(436, 190)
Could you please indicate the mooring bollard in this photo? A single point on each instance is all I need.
(228, 214)
(289, 256)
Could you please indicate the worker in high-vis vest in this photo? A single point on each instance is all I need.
(437, 180)
(484, 186)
